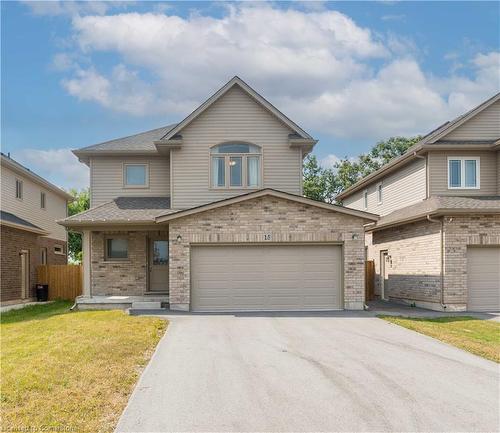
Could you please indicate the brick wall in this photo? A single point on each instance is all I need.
(120, 277)
(249, 221)
(12, 241)
(414, 268)
(460, 231)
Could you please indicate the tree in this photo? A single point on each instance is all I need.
(79, 204)
(325, 184)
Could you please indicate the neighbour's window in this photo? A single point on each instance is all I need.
(365, 199)
(19, 189)
(58, 249)
(42, 200)
(379, 193)
(43, 256)
(135, 175)
(463, 173)
(116, 249)
(236, 165)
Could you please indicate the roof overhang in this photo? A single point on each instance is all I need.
(104, 223)
(261, 193)
(84, 156)
(36, 230)
(165, 146)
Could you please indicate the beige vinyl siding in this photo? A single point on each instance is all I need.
(438, 173)
(405, 186)
(483, 126)
(498, 172)
(106, 178)
(236, 116)
(29, 207)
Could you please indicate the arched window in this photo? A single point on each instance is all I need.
(236, 165)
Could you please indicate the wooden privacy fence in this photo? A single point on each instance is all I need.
(369, 280)
(65, 281)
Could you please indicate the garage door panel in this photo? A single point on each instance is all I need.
(239, 278)
(483, 278)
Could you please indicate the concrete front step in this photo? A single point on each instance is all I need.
(146, 305)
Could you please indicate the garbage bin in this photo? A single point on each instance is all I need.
(42, 292)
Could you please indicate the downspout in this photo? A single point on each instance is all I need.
(440, 221)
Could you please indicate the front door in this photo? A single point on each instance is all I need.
(384, 258)
(25, 274)
(158, 265)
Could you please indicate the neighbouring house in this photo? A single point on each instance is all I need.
(208, 215)
(29, 234)
(437, 242)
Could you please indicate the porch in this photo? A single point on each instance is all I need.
(122, 302)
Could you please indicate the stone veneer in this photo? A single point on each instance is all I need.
(249, 221)
(120, 277)
(415, 250)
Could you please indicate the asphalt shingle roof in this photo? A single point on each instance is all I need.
(14, 219)
(142, 142)
(123, 210)
(439, 204)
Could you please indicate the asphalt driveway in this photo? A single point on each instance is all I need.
(318, 372)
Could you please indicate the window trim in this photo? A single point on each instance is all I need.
(107, 258)
(124, 175)
(43, 200)
(44, 255)
(21, 189)
(244, 168)
(365, 199)
(462, 160)
(380, 193)
(61, 247)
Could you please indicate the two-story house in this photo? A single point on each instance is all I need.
(208, 215)
(437, 243)
(29, 234)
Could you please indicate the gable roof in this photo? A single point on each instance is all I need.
(261, 193)
(427, 142)
(133, 144)
(11, 220)
(22, 170)
(236, 81)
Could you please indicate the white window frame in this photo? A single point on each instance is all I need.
(380, 193)
(124, 175)
(43, 200)
(462, 160)
(244, 165)
(59, 249)
(20, 189)
(365, 199)
(43, 256)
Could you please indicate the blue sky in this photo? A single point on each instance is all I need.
(350, 73)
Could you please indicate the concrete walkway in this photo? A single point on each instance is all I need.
(309, 372)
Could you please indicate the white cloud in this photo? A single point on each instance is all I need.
(58, 166)
(314, 65)
(329, 161)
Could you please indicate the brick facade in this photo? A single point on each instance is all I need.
(414, 273)
(120, 277)
(249, 221)
(13, 241)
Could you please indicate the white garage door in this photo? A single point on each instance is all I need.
(483, 275)
(266, 277)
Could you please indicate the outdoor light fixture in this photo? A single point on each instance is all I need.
(179, 238)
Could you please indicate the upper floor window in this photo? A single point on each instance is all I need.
(463, 173)
(135, 175)
(19, 189)
(236, 165)
(379, 193)
(365, 199)
(42, 200)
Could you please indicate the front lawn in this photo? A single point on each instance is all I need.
(71, 371)
(481, 337)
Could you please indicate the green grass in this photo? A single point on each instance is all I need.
(71, 371)
(481, 337)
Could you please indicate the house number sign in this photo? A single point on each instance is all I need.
(267, 237)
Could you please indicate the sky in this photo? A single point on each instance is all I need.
(349, 73)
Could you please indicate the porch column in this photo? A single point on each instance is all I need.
(86, 260)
